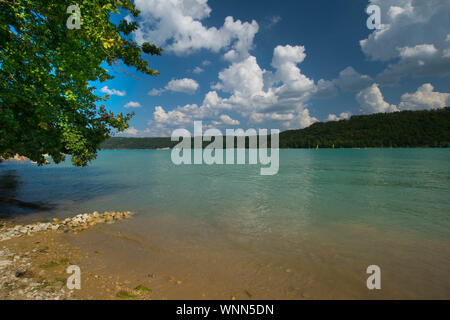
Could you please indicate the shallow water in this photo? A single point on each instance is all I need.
(308, 232)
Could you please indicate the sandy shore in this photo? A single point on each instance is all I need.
(34, 261)
(125, 256)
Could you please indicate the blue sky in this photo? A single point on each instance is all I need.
(283, 64)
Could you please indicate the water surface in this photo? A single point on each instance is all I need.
(310, 231)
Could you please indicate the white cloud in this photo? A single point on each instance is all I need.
(244, 79)
(294, 83)
(414, 39)
(302, 119)
(133, 104)
(112, 92)
(267, 102)
(371, 100)
(421, 51)
(227, 120)
(132, 131)
(325, 89)
(198, 70)
(342, 116)
(185, 85)
(177, 26)
(424, 98)
(351, 80)
(156, 92)
(275, 96)
(446, 53)
(413, 36)
(288, 54)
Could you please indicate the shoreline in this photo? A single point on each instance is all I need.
(116, 264)
(34, 260)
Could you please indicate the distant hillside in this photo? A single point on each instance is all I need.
(138, 143)
(399, 129)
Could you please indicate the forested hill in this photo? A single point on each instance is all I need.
(138, 143)
(399, 129)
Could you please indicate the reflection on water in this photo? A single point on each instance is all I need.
(9, 182)
(30, 191)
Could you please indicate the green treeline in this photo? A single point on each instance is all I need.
(138, 143)
(398, 129)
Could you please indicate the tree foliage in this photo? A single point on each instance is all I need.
(47, 102)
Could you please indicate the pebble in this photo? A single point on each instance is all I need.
(13, 268)
(80, 222)
(13, 277)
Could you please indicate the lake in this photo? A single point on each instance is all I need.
(310, 231)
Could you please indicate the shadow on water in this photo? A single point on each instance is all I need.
(10, 183)
(26, 190)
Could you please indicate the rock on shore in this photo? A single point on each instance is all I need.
(78, 223)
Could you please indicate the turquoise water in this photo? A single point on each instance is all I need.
(368, 201)
(390, 188)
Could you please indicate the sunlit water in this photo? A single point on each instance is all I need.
(310, 231)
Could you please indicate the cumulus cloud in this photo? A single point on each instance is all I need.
(132, 131)
(185, 85)
(198, 70)
(244, 78)
(285, 61)
(342, 116)
(414, 40)
(302, 119)
(325, 89)
(253, 89)
(371, 100)
(265, 99)
(422, 51)
(413, 36)
(156, 92)
(424, 98)
(133, 104)
(269, 98)
(112, 92)
(227, 120)
(351, 80)
(177, 26)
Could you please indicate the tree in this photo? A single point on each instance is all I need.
(47, 102)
